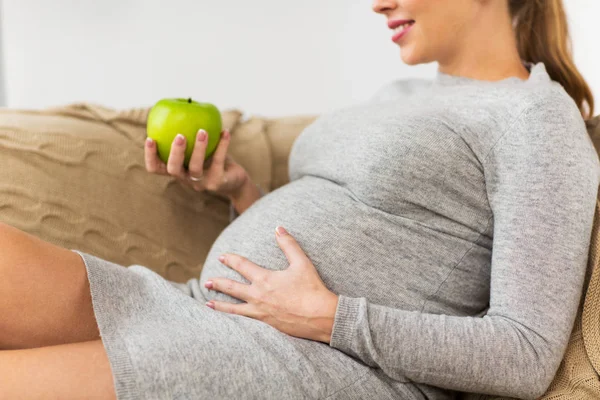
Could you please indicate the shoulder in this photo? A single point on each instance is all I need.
(399, 89)
(550, 111)
(544, 101)
(548, 128)
(536, 108)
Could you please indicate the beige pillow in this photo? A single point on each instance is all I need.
(281, 134)
(263, 145)
(250, 148)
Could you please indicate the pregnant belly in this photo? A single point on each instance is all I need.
(358, 251)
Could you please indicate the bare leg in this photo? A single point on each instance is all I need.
(68, 371)
(44, 294)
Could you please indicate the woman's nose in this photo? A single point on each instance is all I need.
(384, 6)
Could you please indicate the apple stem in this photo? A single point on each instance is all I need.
(190, 100)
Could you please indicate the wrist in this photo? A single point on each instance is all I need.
(245, 196)
(324, 323)
(238, 193)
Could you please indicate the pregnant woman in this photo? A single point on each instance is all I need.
(434, 241)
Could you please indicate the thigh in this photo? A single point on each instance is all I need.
(68, 371)
(44, 293)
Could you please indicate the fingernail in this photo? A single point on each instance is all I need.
(210, 304)
(179, 139)
(208, 284)
(281, 231)
(222, 258)
(225, 134)
(149, 142)
(201, 135)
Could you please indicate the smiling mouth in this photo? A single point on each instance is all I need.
(400, 28)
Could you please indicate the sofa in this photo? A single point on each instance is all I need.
(74, 176)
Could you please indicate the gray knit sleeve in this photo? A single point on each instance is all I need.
(542, 181)
(233, 214)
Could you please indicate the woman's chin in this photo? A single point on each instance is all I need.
(410, 57)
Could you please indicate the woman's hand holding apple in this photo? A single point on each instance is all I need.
(218, 174)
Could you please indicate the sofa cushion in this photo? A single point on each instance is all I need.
(263, 146)
(281, 134)
(250, 148)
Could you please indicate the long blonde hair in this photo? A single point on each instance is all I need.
(542, 35)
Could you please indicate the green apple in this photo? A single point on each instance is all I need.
(169, 117)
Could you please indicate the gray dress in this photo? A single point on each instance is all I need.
(398, 202)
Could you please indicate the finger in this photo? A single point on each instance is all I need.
(292, 250)
(197, 186)
(228, 174)
(153, 163)
(217, 164)
(177, 156)
(243, 266)
(196, 165)
(244, 309)
(186, 181)
(228, 286)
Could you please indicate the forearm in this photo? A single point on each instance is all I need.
(491, 355)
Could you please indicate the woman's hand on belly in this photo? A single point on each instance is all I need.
(295, 301)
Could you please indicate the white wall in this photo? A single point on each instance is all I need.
(2, 81)
(269, 57)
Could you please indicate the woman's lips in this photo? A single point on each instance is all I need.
(402, 32)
